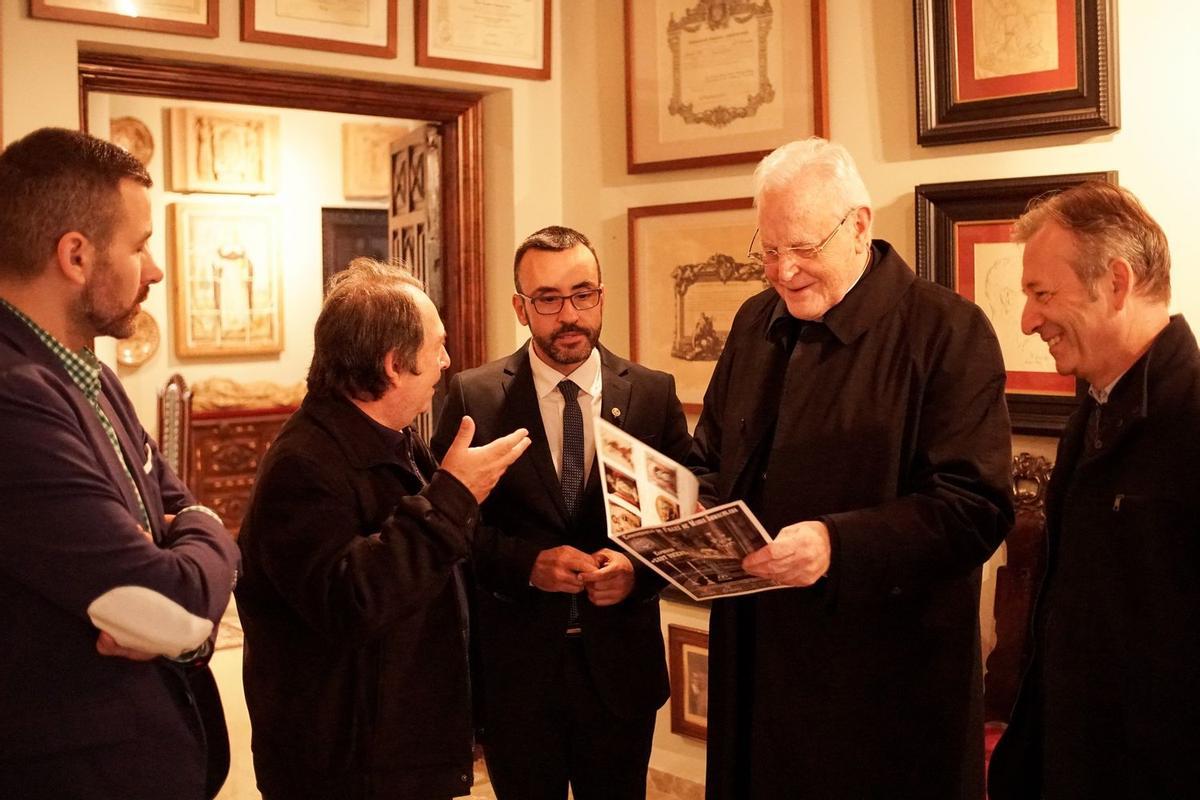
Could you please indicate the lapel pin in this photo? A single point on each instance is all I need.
(616, 412)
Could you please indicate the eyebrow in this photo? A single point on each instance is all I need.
(581, 286)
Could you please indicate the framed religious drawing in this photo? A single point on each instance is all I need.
(721, 81)
(689, 272)
(495, 37)
(964, 243)
(688, 664)
(367, 159)
(228, 152)
(359, 27)
(227, 296)
(998, 70)
(188, 17)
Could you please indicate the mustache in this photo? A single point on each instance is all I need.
(565, 329)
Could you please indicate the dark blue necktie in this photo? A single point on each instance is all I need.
(571, 479)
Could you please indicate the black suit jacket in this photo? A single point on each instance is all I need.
(519, 628)
(74, 723)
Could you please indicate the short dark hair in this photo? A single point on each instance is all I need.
(369, 311)
(555, 239)
(55, 181)
(1107, 222)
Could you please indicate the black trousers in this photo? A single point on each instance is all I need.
(568, 735)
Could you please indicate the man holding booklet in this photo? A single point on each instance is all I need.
(859, 412)
(571, 667)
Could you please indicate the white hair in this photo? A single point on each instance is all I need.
(816, 167)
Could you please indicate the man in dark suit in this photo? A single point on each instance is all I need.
(571, 654)
(352, 600)
(112, 579)
(1108, 707)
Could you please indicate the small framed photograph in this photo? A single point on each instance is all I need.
(225, 152)
(227, 298)
(721, 81)
(347, 233)
(359, 27)
(187, 17)
(688, 663)
(1004, 70)
(688, 275)
(964, 243)
(495, 37)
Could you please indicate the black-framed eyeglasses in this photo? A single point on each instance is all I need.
(804, 251)
(548, 304)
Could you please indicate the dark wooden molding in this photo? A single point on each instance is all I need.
(459, 116)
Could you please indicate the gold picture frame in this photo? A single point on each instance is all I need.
(196, 18)
(688, 663)
(713, 82)
(226, 152)
(225, 273)
(689, 258)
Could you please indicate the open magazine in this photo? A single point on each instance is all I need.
(652, 513)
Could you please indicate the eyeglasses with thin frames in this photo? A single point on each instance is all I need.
(548, 304)
(807, 252)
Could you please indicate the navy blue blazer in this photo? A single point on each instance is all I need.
(74, 723)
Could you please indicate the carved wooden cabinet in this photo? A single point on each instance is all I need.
(226, 449)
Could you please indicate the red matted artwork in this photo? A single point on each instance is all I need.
(992, 70)
(963, 242)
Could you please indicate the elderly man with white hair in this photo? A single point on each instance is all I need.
(859, 411)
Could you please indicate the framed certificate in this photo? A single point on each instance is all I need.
(188, 17)
(721, 81)
(496, 37)
(688, 276)
(990, 70)
(361, 27)
(963, 243)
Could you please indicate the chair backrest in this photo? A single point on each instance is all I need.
(1016, 583)
(175, 424)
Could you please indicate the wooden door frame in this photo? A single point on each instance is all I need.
(459, 116)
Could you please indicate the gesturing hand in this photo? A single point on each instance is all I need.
(613, 581)
(559, 569)
(479, 468)
(799, 556)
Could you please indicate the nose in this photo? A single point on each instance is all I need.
(568, 312)
(151, 272)
(444, 358)
(786, 268)
(1031, 318)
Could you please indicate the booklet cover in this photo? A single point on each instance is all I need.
(653, 513)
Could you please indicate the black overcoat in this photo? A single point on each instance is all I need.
(893, 431)
(1111, 693)
(355, 659)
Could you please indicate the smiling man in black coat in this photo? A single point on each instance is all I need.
(1108, 707)
(859, 411)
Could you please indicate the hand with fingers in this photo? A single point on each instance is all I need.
(799, 556)
(480, 468)
(612, 581)
(560, 569)
(106, 645)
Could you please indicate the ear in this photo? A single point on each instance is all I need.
(862, 225)
(1120, 281)
(519, 307)
(74, 257)
(391, 367)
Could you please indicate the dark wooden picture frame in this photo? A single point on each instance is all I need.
(348, 233)
(209, 28)
(673, 249)
(954, 216)
(647, 92)
(974, 88)
(688, 663)
(422, 23)
(252, 32)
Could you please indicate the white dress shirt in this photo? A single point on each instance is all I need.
(551, 403)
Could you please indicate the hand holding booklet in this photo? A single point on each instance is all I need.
(651, 503)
